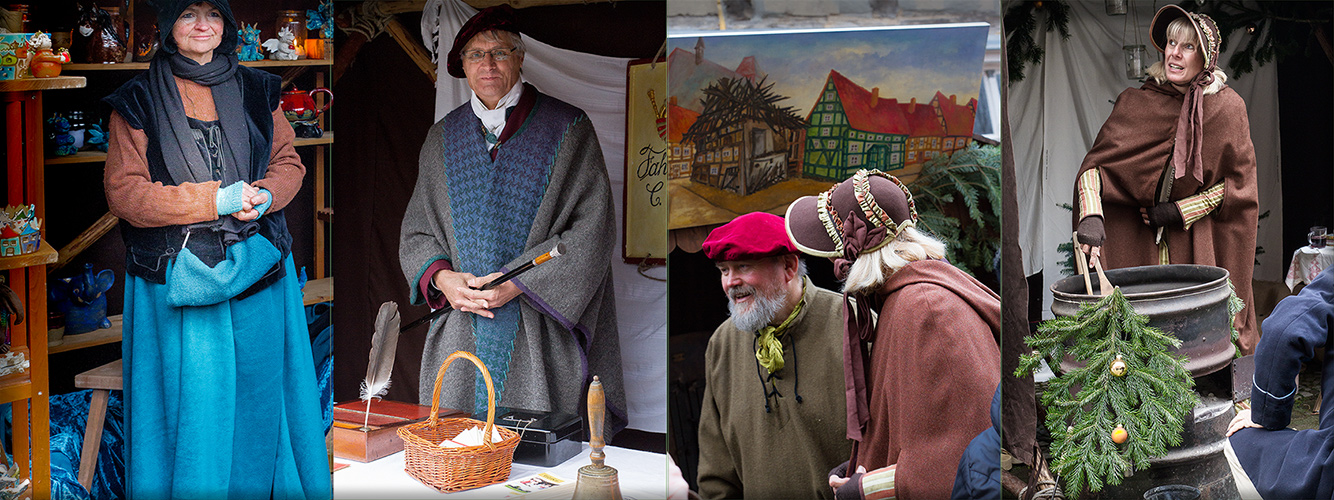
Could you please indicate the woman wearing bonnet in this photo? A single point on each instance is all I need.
(1171, 176)
(220, 388)
(922, 377)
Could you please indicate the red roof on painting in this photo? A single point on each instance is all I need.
(958, 117)
(749, 69)
(922, 118)
(867, 111)
(679, 120)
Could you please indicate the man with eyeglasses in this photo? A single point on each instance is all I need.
(503, 179)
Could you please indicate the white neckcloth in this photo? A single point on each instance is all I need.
(494, 119)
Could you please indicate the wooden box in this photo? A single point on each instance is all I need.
(378, 439)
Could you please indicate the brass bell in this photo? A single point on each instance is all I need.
(597, 481)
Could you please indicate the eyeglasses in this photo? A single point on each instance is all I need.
(476, 56)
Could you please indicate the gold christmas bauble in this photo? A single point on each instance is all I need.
(1119, 434)
(1119, 366)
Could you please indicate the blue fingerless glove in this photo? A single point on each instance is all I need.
(229, 199)
(265, 207)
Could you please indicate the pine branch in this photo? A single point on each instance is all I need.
(1150, 400)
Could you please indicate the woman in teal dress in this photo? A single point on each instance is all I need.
(220, 388)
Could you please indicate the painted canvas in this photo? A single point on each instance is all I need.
(756, 120)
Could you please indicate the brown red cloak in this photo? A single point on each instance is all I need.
(1131, 151)
(934, 368)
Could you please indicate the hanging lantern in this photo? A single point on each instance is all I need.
(1119, 366)
(1134, 61)
(1115, 7)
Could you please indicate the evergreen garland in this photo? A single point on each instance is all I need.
(1278, 30)
(1150, 400)
(970, 175)
(1020, 23)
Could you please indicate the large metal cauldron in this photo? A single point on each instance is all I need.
(1190, 302)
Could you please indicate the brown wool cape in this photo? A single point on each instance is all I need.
(1131, 151)
(934, 367)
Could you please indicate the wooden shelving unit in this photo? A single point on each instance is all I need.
(26, 185)
(316, 291)
(137, 66)
(43, 256)
(90, 339)
(98, 156)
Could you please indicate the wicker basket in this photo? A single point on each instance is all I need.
(457, 469)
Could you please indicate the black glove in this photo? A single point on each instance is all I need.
(840, 471)
(1091, 232)
(851, 490)
(1165, 214)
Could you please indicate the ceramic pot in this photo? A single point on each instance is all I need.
(45, 64)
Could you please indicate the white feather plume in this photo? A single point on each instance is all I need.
(384, 343)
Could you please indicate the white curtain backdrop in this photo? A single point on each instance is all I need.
(595, 84)
(1057, 110)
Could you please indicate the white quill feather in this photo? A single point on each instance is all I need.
(384, 344)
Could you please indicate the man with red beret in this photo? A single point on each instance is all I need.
(772, 421)
(503, 179)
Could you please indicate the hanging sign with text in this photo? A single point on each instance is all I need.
(645, 229)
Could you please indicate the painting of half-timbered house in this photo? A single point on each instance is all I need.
(851, 128)
(741, 136)
(779, 115)
(928, 133)
(957, 119)
(680, 154)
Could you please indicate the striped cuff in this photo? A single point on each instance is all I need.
(1090, 193)
(1195, 207)
(879, 484)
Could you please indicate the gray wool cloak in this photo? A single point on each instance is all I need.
(566, 330)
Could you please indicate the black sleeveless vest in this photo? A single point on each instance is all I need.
(148, 250)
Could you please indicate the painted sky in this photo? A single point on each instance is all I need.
(904, 62)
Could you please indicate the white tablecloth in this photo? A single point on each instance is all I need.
(642, 475)
(1307, 262)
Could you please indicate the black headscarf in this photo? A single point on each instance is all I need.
(169, 10)
(179, 152)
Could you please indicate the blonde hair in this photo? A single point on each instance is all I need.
(1184, 31)
(871, 270)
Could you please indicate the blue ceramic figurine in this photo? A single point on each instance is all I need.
(248, 50)
(97, 138)
(83, 300)
(321, 19)
(62, 142)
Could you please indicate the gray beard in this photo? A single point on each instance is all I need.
(763, 310)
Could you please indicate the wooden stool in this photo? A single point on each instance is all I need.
(102, 380)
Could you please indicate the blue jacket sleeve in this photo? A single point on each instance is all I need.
(979, 473)
(1292, 334)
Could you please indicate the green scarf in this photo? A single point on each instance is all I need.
(769, 350)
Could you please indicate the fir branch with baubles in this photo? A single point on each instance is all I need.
(1125, 405)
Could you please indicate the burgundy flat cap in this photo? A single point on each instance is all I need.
(500, 17)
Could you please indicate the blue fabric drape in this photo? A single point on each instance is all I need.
(221, 399)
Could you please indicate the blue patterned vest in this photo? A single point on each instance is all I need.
(493, 204)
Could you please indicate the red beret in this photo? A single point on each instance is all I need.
(499, 17)
(752, 236)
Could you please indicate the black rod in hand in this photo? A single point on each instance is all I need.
(555, 252)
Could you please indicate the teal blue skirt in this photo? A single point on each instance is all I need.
(221, 398)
